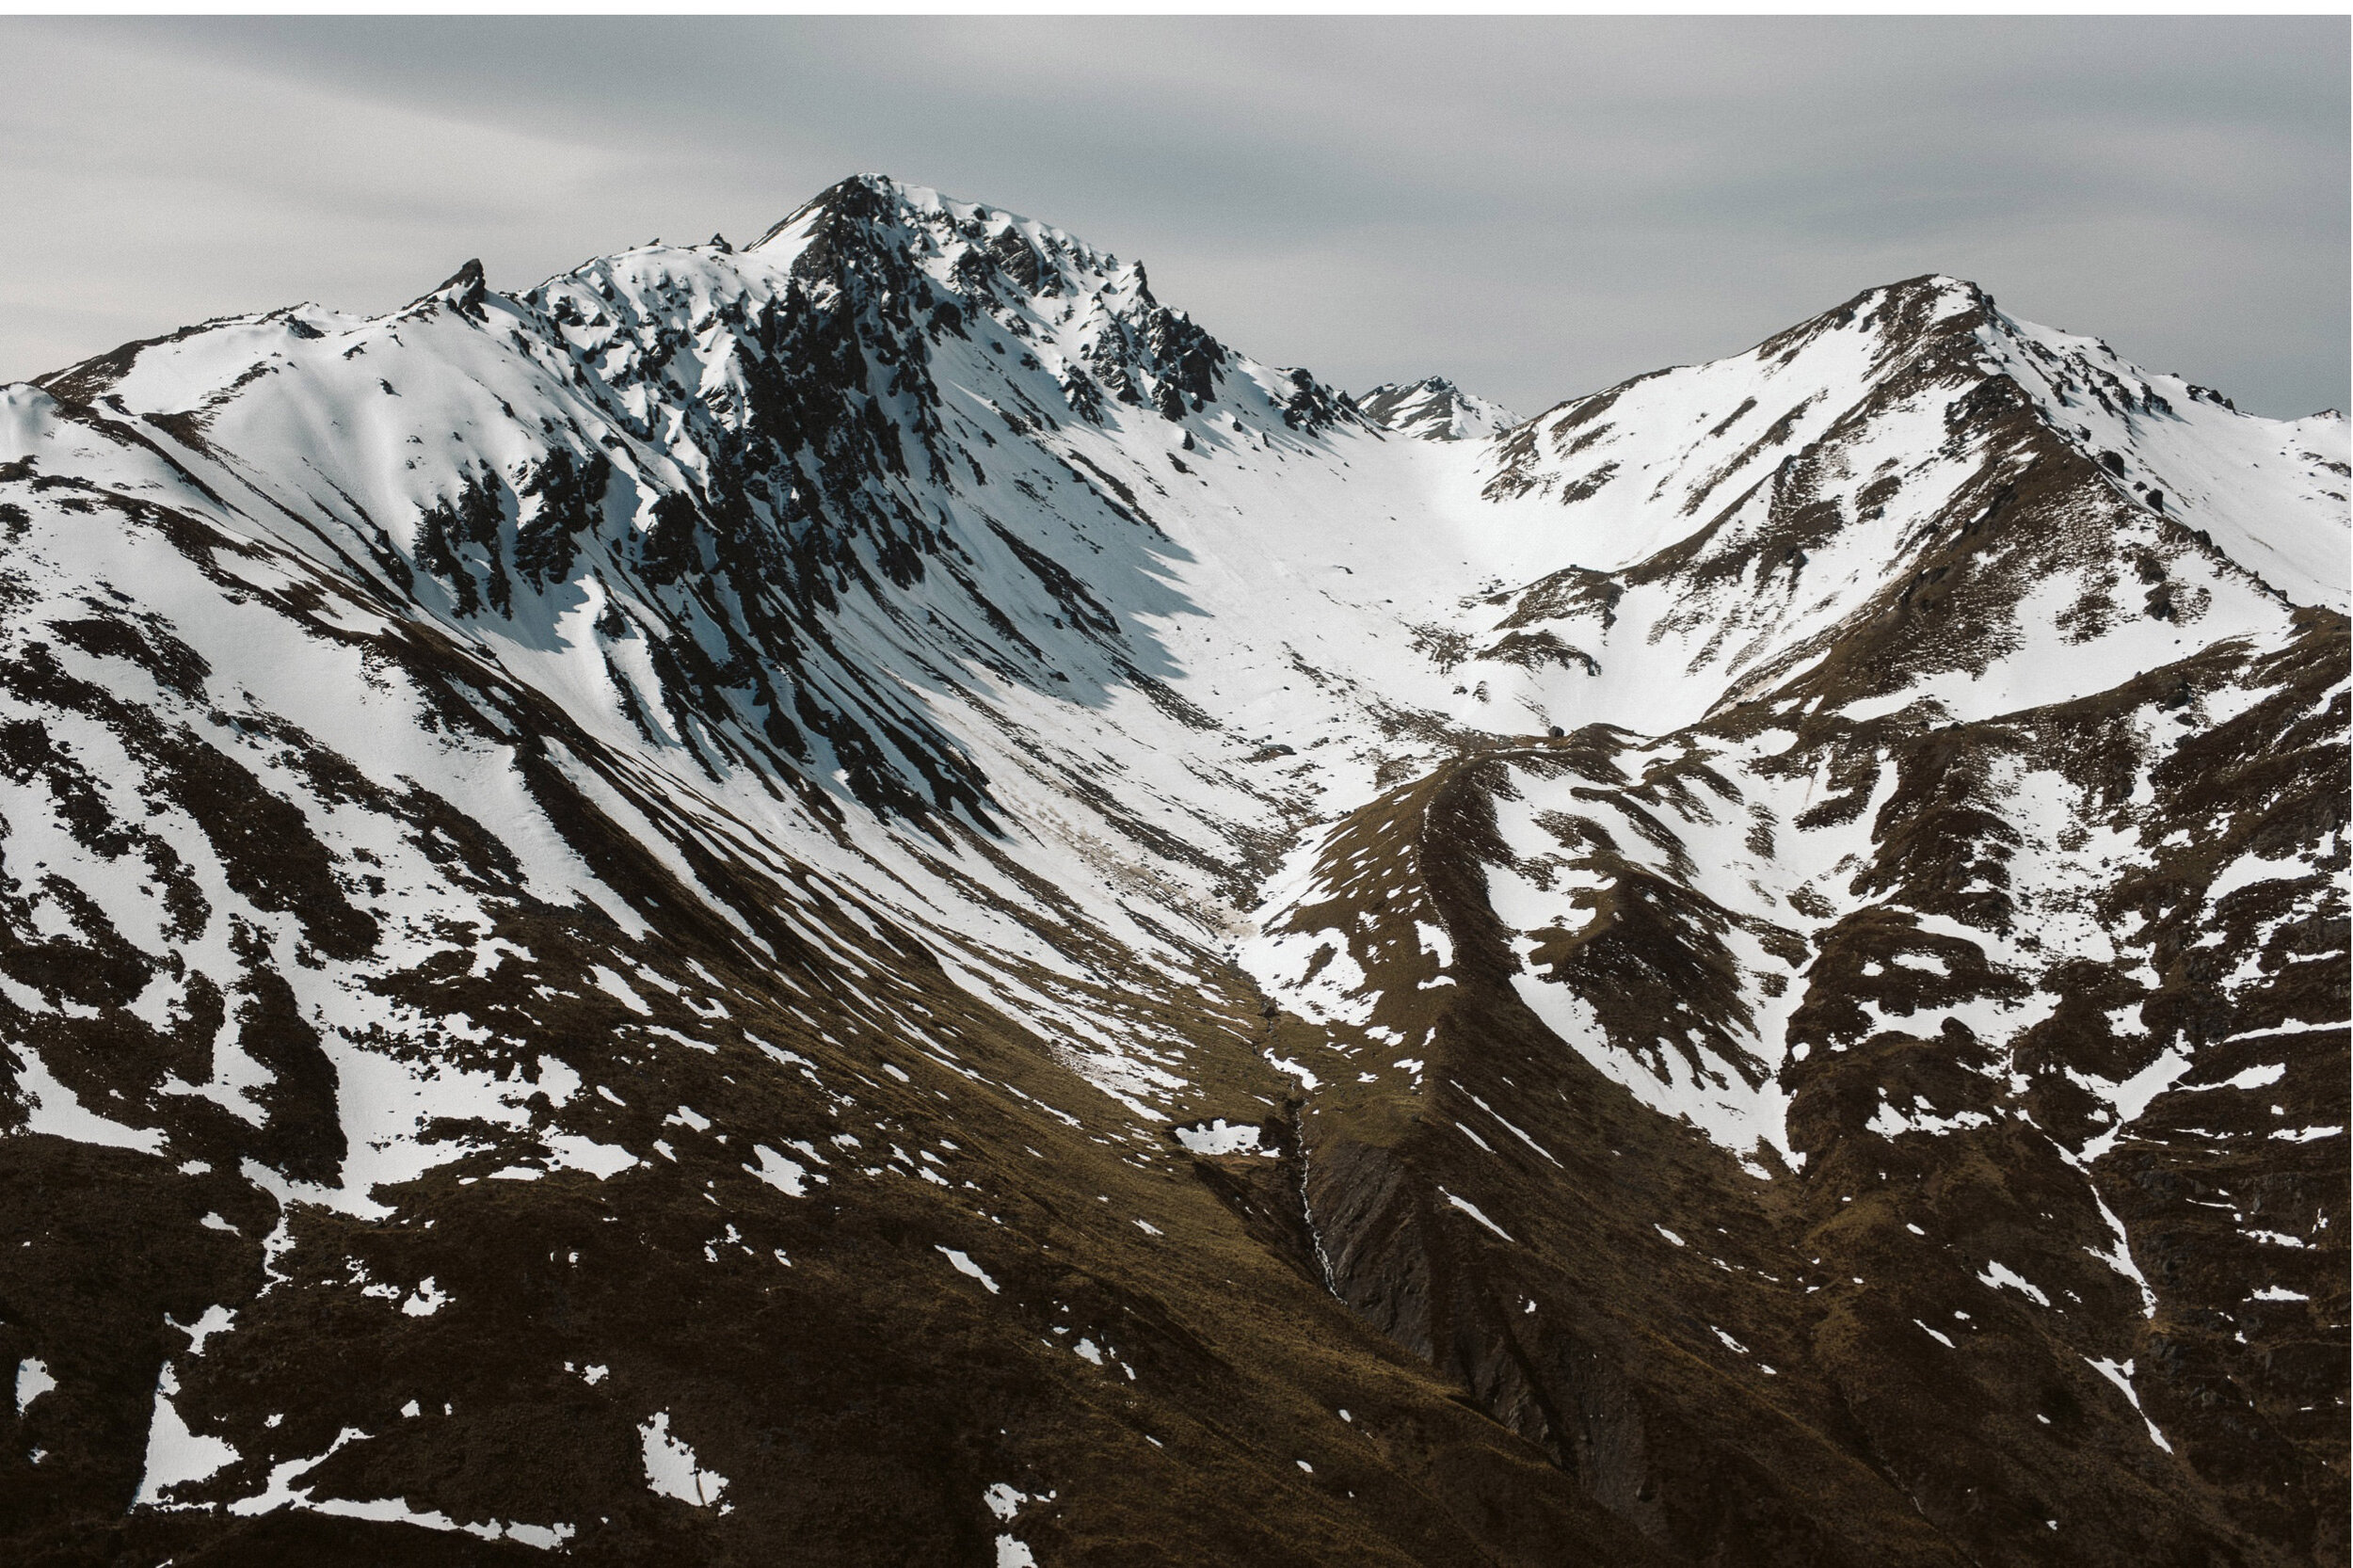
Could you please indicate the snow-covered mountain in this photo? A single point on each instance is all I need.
(1435, 409)
(866, 892)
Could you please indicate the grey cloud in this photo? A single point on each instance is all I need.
(1534, 206)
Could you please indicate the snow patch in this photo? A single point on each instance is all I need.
(964, 1265)
(175, 1454)
(1472, 1209)
(1222, 1137)
(671, 1469)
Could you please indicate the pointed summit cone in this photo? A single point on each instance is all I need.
(462, 291)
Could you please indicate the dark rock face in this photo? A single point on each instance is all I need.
(863, 897)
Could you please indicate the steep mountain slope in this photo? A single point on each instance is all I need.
(864, 892)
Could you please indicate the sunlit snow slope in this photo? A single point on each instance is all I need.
(863, 894)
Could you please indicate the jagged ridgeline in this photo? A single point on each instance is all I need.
(863, 898)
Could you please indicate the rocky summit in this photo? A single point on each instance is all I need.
(863, 901)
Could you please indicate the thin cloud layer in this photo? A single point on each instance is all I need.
(1535, 207)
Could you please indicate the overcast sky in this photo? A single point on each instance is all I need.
(1536, 207)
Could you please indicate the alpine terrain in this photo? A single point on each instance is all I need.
(861, 900)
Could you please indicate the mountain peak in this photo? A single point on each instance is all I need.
(1434, 410)
(462, 290)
